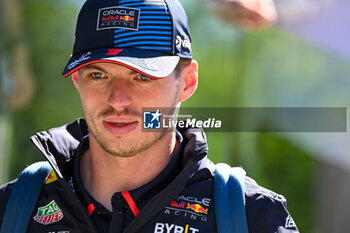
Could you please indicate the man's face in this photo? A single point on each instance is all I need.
(112, 98)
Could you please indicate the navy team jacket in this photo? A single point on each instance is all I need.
(179, 200)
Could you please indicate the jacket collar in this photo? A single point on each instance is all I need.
(59, 145)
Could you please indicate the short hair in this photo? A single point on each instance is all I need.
(183, 62)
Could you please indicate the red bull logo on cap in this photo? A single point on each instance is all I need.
(118, 17)
(127, 18)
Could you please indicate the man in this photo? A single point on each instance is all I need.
(109, 174)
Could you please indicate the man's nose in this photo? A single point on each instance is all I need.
(119, 96)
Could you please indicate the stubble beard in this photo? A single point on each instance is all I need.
(120, 148)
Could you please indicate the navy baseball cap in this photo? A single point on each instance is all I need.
(148, 36)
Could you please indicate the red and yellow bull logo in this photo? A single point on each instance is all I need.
(127, 18)
(197, 208)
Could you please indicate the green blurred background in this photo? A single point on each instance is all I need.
(269, 68)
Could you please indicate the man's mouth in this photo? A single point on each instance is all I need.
(120, 124)
(120, 128)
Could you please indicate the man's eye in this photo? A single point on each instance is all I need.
(143, 77)
(97, 75)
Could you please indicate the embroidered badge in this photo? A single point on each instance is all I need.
(118, 17)
(51, 178)
(49, 214)
(194, 208)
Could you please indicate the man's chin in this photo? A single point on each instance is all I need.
(129, 145)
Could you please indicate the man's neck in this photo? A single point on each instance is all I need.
(103, 174)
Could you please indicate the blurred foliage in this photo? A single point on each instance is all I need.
(48, 30)
(236, 69)
(292, 172)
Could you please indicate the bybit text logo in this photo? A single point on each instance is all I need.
(172, 228)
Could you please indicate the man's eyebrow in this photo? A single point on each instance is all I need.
(96, 67)
(93, 66)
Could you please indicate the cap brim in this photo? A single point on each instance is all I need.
(152, 64)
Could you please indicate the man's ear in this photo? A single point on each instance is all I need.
(75, 77)
(189, 80)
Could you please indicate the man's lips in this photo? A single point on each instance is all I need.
(120, 126)
(120, 119)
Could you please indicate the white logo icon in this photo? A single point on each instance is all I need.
(182, 43)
